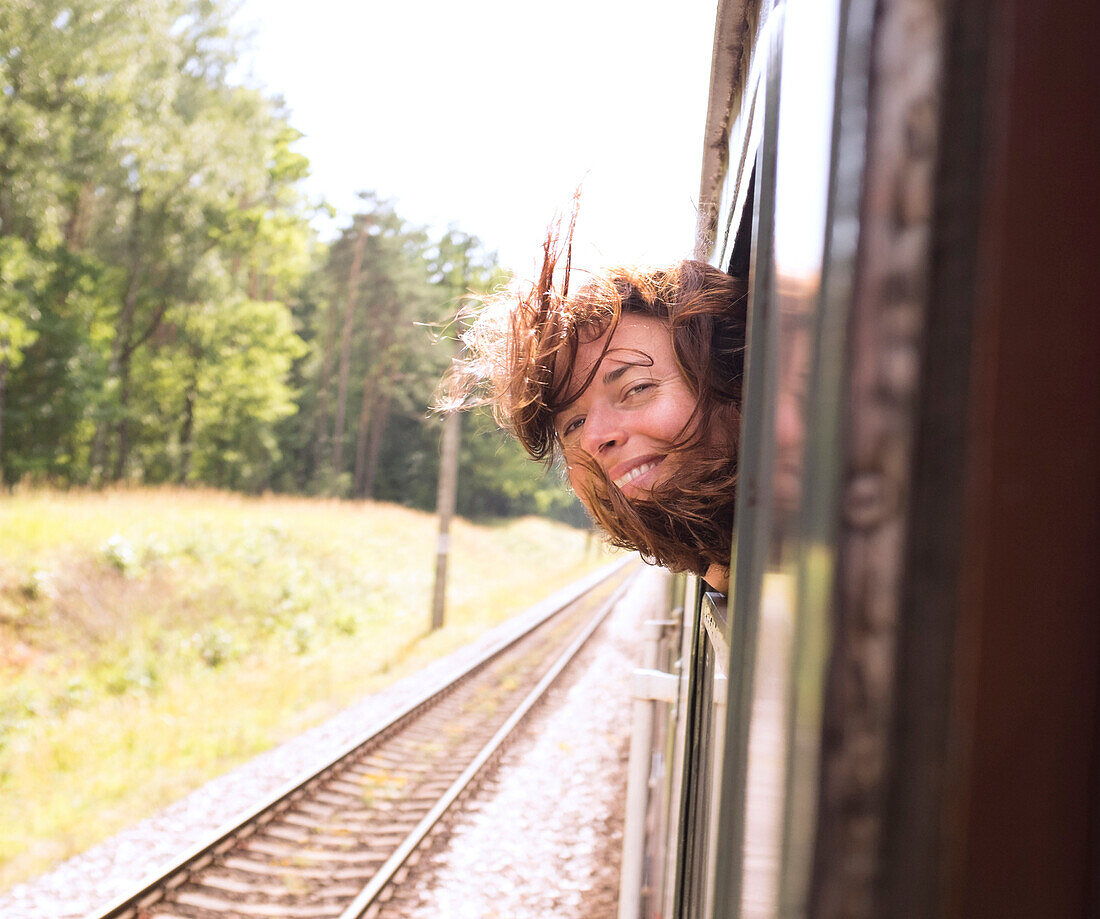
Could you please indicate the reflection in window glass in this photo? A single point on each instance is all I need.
(778, 815)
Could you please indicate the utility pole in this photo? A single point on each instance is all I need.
(452, 428)
(445, 505)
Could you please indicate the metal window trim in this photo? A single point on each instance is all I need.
(732, 124)
(752, 512)
(714, 619)
(678, 794)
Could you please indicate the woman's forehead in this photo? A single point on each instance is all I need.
(634, 341)
(644, 335)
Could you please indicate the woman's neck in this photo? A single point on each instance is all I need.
(718, 578)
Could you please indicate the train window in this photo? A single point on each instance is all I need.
(748, 731)
(782, 566)
(741, 255)
(678, 880)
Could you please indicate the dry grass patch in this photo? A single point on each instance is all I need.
(151, 639)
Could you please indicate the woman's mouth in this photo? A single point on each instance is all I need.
(636, 473)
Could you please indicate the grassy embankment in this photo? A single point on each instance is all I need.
(150, 640)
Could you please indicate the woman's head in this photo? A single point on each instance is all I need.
(634, 380)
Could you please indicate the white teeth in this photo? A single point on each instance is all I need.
(634, 473)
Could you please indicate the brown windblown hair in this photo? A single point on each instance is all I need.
(519, 359)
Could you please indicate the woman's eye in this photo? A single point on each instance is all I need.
(571, 427)
(637, 388)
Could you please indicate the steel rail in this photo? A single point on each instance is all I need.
(154, 887)
(358, 907)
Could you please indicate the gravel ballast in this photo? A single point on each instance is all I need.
(543, 836)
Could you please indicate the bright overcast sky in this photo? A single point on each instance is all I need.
(487, 114)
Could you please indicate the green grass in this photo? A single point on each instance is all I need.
(152, 639)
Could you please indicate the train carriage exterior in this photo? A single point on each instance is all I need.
(894, 711)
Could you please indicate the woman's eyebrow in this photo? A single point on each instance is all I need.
(612, 375)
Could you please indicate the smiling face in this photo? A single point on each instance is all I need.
(647, 419)
(633, 414)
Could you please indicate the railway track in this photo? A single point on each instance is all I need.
(331, 845)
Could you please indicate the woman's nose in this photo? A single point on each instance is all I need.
(603, 429)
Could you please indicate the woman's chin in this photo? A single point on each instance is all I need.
(634, 492)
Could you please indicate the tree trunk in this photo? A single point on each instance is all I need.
(3, 392)
(235, 262)
(345, 350)
(377, 383)
(376, 437)
(8, 141)
(187, 432)
(123, 430)
(366, 411)
(76, 227)
(119, 365)
(320, 435)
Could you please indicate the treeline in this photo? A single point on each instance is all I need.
(167, 313)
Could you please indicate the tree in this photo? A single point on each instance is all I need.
(351, 296)
(145, 184)
(20, 275)
(375, 292)
(166, 313)
(214, 391)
